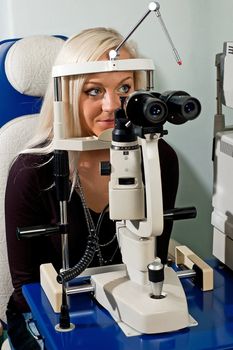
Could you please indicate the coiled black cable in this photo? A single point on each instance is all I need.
(68, 275)
(91, 248)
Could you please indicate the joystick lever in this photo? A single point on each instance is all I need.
(156, 278)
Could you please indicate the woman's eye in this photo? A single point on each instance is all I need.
(93, 92)
(124, 89)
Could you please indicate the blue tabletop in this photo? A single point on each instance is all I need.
(95, 328)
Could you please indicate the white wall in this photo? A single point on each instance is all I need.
(6, 19)
(198, 29)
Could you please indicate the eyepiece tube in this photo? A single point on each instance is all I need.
(181, 106)
(145, 109)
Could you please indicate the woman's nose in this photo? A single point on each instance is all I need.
(111, 102)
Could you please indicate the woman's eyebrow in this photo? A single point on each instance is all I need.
(127, 78)
(93, 82)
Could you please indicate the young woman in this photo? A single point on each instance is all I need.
(90, 102)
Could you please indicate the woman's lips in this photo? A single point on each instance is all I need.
(107, 122)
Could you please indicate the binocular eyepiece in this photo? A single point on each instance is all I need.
(149, 108)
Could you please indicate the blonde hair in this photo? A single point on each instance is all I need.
(88, 45)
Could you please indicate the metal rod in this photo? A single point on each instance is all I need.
(186, 274)
(149, 80)
(153, 6)
(57, 89)
(64, 236)
(80, 289)
(177, 57)
(132, 31)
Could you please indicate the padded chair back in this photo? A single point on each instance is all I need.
(13, 136)
(25, 67)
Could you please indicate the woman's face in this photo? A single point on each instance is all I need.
(100, 97)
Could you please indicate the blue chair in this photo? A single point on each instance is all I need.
(25, 67)
(14, 101)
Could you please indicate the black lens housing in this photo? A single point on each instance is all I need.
(181, 106)
(152, 109)
(144, 109)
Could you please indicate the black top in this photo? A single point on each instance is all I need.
(31, 200)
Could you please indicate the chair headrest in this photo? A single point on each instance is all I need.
(29, 61)
(25, 68)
